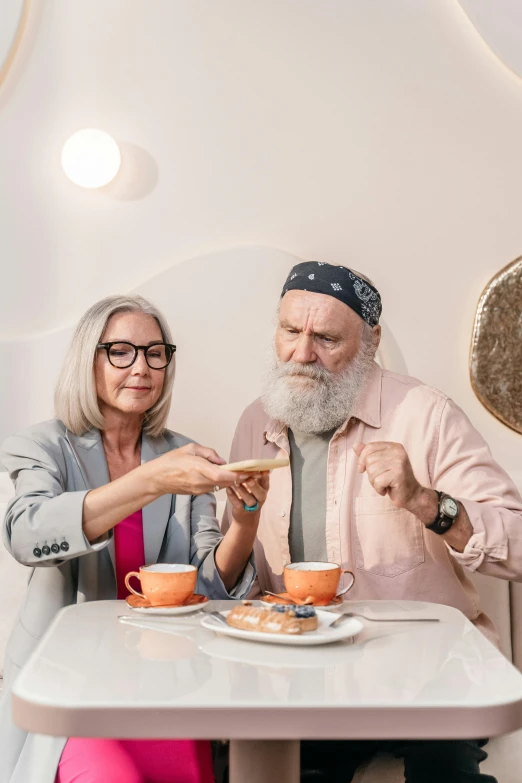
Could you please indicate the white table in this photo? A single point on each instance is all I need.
(94, 676)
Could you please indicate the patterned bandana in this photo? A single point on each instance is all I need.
(339, 282)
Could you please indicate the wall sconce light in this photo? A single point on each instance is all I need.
(91, 158)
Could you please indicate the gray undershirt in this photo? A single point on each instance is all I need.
(308, 462)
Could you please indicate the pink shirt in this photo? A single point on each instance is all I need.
(390, 551)
(129, 549)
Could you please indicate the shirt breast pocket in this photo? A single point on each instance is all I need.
(388, 541)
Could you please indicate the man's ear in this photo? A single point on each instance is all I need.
(376, 331)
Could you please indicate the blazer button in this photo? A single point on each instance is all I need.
(46, 550)
(37, 552)
(55, 548)
(64, 546)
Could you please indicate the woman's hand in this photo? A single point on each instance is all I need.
(191, 470)
(248, 493)
(234, 551)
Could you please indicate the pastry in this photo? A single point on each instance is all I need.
(250, 618)
(305, 615)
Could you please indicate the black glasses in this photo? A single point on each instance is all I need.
(122, 355)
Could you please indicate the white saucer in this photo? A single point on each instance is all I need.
(168, 611)
(323, 635)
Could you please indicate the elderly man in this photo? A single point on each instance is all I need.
(388, 478)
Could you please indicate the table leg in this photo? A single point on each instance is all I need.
(264, 761)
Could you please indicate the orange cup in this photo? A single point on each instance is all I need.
(314, 580)
(165, 584)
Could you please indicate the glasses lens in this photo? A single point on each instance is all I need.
(121, 355)
(158, 356)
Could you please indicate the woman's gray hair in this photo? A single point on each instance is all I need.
(75, 397)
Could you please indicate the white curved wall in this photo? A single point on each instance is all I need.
(500, 24)
(12, 16)
(383, 135)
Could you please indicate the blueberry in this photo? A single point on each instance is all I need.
(281, 608)
(303, 612)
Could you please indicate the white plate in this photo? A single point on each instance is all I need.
(166, 611)
(323, 635)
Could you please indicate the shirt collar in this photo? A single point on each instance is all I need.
(367, 408)
(274, 429)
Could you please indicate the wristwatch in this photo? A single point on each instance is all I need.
(446, 516)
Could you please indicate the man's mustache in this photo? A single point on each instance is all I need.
(288, 369)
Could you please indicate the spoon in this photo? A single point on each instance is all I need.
(308, 600)
(347, 615)
(217, 616)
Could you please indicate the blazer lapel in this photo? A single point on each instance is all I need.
(156, 514)
(90, 457)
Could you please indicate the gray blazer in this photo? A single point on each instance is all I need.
(52, 471)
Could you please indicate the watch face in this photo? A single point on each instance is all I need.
(449, 507)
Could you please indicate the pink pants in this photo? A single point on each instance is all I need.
(86, 760)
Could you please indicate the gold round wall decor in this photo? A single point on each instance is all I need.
(496, 348)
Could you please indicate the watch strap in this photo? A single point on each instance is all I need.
(442, 522)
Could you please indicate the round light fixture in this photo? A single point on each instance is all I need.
(91, 158)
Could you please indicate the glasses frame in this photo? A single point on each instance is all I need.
(145, 348)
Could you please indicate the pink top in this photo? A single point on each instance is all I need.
(390, 551)
(129, 549)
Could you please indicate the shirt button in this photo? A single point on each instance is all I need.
(282, 513)
(37, 552)
(64, 546)
(55, 548)
(46, 550)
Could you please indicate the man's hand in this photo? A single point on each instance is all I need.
(390, 473)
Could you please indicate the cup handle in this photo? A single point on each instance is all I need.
(345, 589)
(128, 586)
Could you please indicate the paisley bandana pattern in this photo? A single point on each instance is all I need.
(339, 282)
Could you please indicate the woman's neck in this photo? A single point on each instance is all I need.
(122, 433)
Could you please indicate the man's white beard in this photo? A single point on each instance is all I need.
(321, 404)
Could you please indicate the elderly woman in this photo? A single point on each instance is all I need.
(101, 490)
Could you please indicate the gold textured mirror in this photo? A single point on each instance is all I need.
(496, 349)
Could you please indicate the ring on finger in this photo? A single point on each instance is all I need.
(251, 508)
